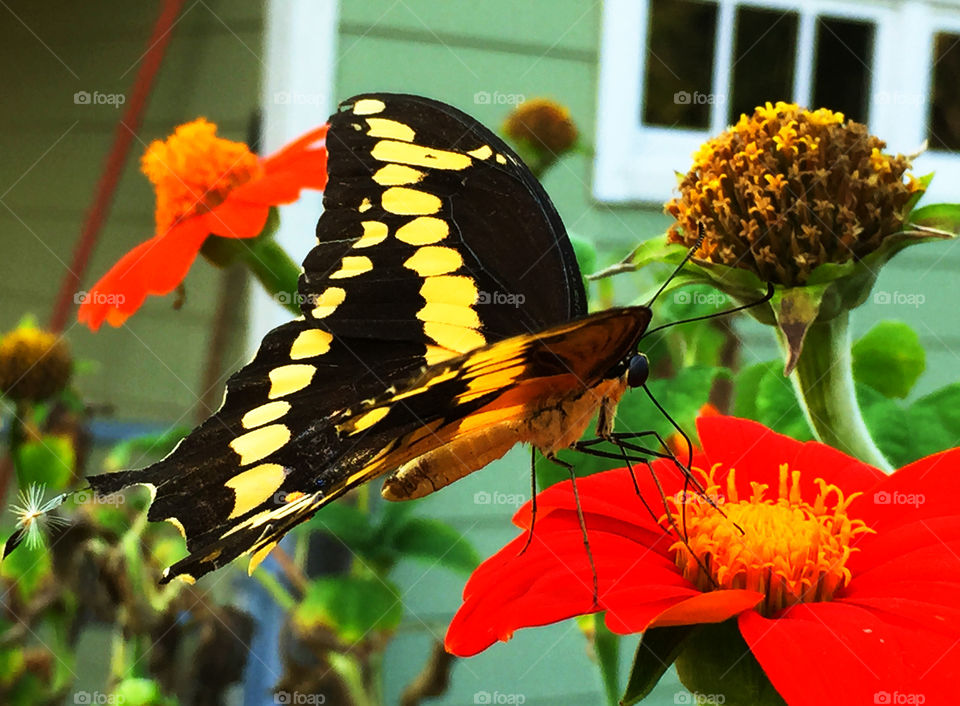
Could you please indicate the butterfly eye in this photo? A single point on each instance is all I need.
(637, 370)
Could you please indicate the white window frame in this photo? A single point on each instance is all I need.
(637, 163)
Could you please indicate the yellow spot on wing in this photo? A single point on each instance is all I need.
(328, 301)
(260, 443)
(423, 230)
(419, 156)
(368, 419)
(397, 175)
(310, 344)
(391, 129)
(351, 266)
(258, 416)
(259, 555)
(365, 205)
(449, 314)
(374, 233)
(368, 106)
(289, 378)
(251, 488)
(449, 289)
(410, 202)
(178, 524)
(456, 338)
(293, 495)
(501, 159)
(186, 578)
(434, 260)
(481, 152)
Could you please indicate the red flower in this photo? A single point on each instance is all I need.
(205, 185)
(845, 588)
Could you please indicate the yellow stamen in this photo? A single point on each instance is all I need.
(193, 170)
(791, 550)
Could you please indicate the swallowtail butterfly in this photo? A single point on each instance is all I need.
(444, 321)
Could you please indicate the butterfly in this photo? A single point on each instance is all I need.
(444, 320)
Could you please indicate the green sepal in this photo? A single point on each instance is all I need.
(716, 665)
(943, 217)
(658, 649)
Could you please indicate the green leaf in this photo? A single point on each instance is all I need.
(658, 649)
(436, 542)
(349, 524)
(27, 567)
(889, 358)
(48, 461)
(136, 451)
(905, 434)
(140, 692)
(942, 216)
(762, 393)
(351, 606)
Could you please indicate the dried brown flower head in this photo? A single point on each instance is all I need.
(787, 189)
(34, 364)
(544, 124)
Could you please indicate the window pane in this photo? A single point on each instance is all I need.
(680, 40)
(945, 99)
(764, 54)
(841, 79)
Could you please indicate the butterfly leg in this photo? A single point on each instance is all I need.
(583, 524)
(533, 498)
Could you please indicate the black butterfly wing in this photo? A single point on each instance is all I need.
(395, 282)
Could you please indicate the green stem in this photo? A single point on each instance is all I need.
(823, 381)
(276, 590)
(270, 264)
(607, 648)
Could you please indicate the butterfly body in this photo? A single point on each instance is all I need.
(444, 321)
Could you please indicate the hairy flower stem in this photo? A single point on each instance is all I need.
(823, 382)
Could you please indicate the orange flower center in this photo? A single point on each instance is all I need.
(193, 170)
(791, 550)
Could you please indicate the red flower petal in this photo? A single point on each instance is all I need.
(920, 490)
(814, 652)
(236, 219)
(283, 184)
(757, 453)
(154, 267)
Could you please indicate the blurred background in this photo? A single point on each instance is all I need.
(646, 81)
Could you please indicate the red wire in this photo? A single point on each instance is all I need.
(124, 133)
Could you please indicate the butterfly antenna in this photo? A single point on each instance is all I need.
(676, 271)
(726, 312)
